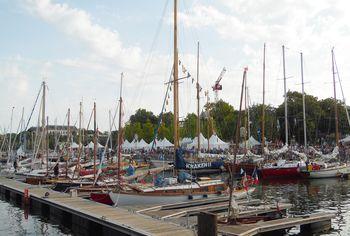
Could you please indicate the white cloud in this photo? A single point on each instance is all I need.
(79, 24)
(309, 26)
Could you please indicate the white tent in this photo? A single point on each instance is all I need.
(203, 142)
(20, 151)
(74, 145)
(251, 142)
(142, 144)
(185, 141)
(345, 140)
(91, 145)
(126, 144)
(216, 142)
(155, 145)
(165, 143)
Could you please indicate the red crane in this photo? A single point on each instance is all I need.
(217, 86)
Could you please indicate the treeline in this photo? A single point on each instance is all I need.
(223, 117)
(320, 121)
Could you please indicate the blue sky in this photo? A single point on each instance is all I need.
(80, 47)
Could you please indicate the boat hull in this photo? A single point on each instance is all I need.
(103, 198)
(333, 172)
(280, 172)
(125, 199)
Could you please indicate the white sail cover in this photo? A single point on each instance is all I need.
(216, 142)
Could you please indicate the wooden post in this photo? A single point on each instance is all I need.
(207, 224)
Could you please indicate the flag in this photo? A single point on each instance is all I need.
(255, 176)
(245, 182)
(242, 171)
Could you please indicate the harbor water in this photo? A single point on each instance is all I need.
(307, 196)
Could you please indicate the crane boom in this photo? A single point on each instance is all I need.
(217, 86)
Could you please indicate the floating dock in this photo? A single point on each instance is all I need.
(196, 217)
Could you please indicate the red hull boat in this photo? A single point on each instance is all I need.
(280, 172)
(101, 198)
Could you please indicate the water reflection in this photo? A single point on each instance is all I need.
(311, 196)
(14, 222)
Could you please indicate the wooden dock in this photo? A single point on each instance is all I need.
(85, 217)
(316, 222)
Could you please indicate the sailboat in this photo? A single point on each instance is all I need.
(283, 168)
(327, 170)
(183, 186)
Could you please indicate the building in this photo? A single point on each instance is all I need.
(55, 129)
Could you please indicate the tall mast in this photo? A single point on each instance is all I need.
(69, 142)
(208, 116)
(95, 140)
(79, 135)
(246, 111)
(285, 98)
(198, 104)
(302, 87)
(335, 103)
(263, 108)
(176, 82)
(10, 140)
(238, 124)
(43, 117)
(110, 129)
(22, 127)
(120, 131)
(47, 146)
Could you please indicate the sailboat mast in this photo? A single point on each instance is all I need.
(335, 103)
(208, 123)
(302, 87)
(47, 146)
(120, 131)
(43, 117)
(95, 140)
(198, 104)
(68, 142)
(10, 138)
(285, 97)
(110, 130)
(79, 138)
(176, 82)
(263, 108)
(238, 124)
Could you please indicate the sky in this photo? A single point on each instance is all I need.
(80, 48)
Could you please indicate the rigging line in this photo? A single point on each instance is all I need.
(150, 54)
(92, 112)
(31, 113)
(17, 133)
(160, 118)
(341, 89)
(60, 133)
